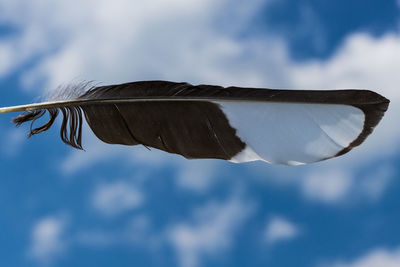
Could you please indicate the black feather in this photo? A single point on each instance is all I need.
(178, 117)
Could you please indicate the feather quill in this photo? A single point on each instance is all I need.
(206, 121)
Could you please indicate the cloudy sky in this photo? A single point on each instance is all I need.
(127, 206)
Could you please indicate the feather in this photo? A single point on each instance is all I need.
(204, 121)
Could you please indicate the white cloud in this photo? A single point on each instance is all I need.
(91, 43)
(327, 186)
(117, 197)
(377, 257)
(208, 233)
(330, 185)
(197, 175)
(350, 66)
(47, 239)
(211, 233)
(280, 229)
(6, 55)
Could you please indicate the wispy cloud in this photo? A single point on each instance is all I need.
(137, 52)
(377, 257)
(334, 186)
(197, 175)
(48, 239)
(211, 232)
(6, 54)
(327, 186)
(114, 198)
(280, 229)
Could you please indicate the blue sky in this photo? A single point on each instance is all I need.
(127, 206)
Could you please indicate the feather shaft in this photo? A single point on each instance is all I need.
(82, 102)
